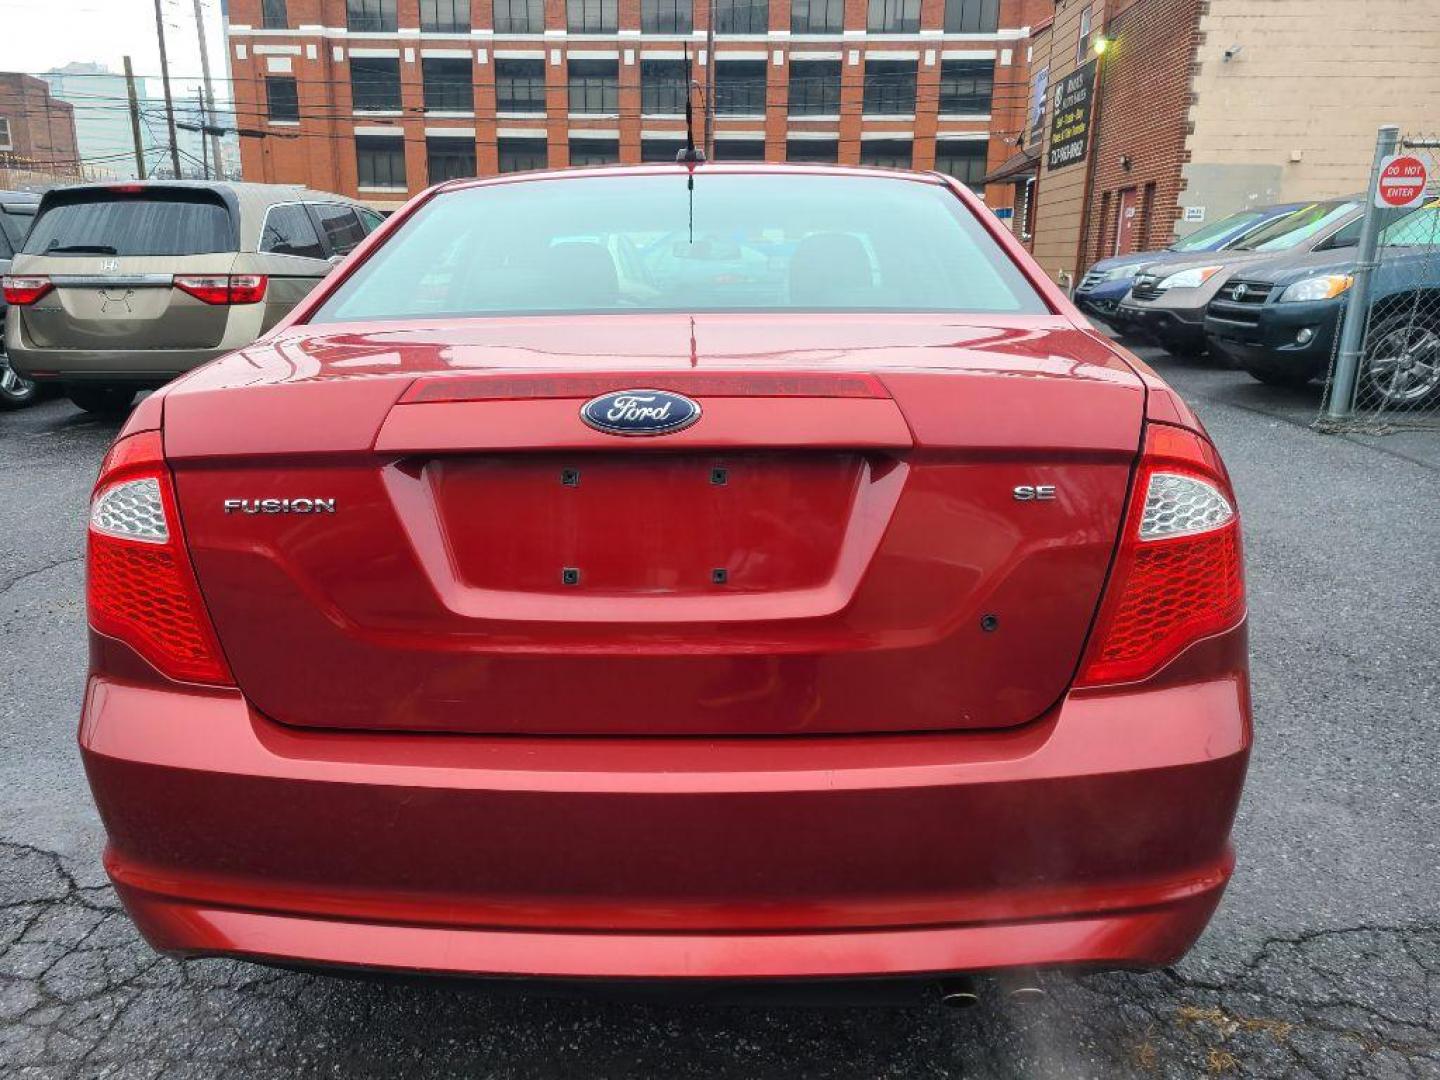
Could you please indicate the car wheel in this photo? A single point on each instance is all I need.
(1402, 361)
(1280, 374)
(15, 392)
(101, 400)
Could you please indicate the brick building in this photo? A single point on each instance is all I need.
(1201, 108)
(37, 131)
(380, 98)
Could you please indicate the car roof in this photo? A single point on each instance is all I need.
(16, 199)
(701, 169)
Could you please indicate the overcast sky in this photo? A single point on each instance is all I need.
(36, 35)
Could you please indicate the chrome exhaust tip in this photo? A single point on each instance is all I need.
(1022, 987)
(959, 994)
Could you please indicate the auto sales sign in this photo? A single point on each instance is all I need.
(1070, 122)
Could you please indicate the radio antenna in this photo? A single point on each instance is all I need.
(691, 154)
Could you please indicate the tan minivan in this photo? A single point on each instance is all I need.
(121, 287)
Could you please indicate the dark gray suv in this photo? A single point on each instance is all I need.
(17, 211)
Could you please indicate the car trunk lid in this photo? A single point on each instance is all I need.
(837, 546)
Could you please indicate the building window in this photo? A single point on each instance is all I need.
(821, 150)
(739, 149)
(966, 86)
(445, 16)
(742, 17)
(739, 87)
(659, 150)
(972, 16)
(889, 153)
(665, 16)
(448, 84)
(890, 87)
(5, 141)
(273, 15)
(1082, 47)
(520, 86)
(893, 17)
(591, 16)
(964, 159)
(594, 151)
(519, 16)
(594, 86)
(449, 158)
(815, 88)
(662, 87)
(281, 98)
(518, 155)
(375, 83)
(380, 161)
(371, 16)
(817, 16)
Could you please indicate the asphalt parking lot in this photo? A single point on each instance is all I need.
(1324, 960)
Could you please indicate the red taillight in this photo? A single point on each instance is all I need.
(223, 288)
(141, 588)
(23, 289)
(1178, 575)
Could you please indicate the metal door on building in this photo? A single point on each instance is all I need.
(1125, 223)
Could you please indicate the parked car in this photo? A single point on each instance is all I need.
(124, 286)
(1279, 319)
(890, 623)
(1107, 281)
(17, 210)
(1168, 303)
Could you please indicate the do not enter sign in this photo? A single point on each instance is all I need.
(1402, 181)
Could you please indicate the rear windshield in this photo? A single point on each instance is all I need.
(627, 243)
(1205, 239)
(1294, 229)
(189, 223)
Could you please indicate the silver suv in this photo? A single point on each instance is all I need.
(124, 286)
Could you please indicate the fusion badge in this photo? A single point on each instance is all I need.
(640, 412)
(279, 506)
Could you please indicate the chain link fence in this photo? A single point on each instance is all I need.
(1385, 367)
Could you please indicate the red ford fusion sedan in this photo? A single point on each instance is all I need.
(671, 572)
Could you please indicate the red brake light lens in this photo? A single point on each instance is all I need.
(24, 289)
(223, 288)
(1178, 575)
(140, 587)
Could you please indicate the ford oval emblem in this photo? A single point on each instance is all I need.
(640, 412)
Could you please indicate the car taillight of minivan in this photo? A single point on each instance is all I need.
(1178, 575)
(223, 288)
(141, 587)
(24, 289)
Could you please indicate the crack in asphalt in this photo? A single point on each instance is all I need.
(37, 571)
(81, 995)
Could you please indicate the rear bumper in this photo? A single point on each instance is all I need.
(1097, 836)
(140, 367)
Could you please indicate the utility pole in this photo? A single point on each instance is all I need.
(135, 120)
(1357, 304)
(209, 110)
(165, 79)
(710, 83)
(204, 149)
